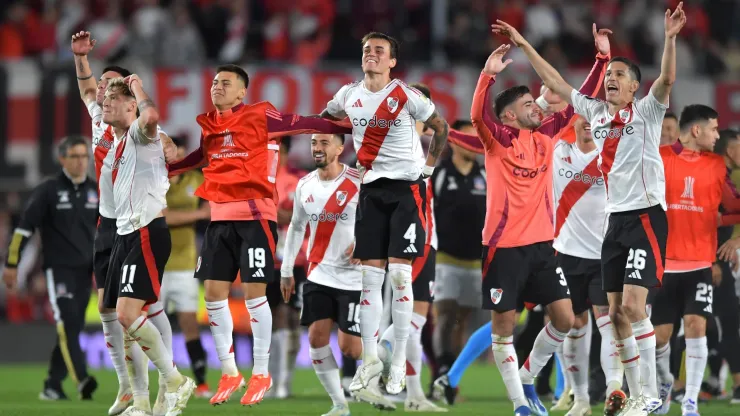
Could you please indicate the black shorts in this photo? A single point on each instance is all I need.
(275, 295)
(422, 275)
(633, 251)
(584, 281)
(529, 273)
(137, 264)
(238, 247)
(324, 302)
(681, 294)
(390, 220)
(105, 234)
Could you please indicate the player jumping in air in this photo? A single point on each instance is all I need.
(390, 227)
(239, 149)
(627, 132)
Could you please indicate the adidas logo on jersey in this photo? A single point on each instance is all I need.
(410, 249)
(357, 103)
(635, 275)
(309, 199)
(566, 159)
(258, 273)
(355, 328)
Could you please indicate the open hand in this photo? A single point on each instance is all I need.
(505, 29)
(728, 251)
(82, 43)
(601, 39)
(674, 21)
(287, 287)
(495, 63)
(129, 80)
(10, 278)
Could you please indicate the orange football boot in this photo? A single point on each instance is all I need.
(258, 385)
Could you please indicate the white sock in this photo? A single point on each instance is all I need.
(278, 349)
(576, 361)
(611, 364)
(645, 336)
(630, 356)
(545, 345)
(261, 320)
(137, 367)
(222, 329)
(402, 309)
(294, 347)
(283, 370)
(113, 332)
(696, 362)
(371, 306)
(387, 340)
(413, 357)
(567, 377)
(157, 316)
(663, 363)
(327, 371)
(508, 365)
(151, 343)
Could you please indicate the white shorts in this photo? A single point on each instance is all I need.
(457, 283)
(179, 291)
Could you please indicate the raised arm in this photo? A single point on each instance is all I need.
(280, 125)
(662, 86)
(439, 140)
(490, 131)
(469, 142)
(82, 44)
(148, 114)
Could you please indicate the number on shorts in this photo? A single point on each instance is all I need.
(354, 313)
(636, 259)
(704, 293)
(256, 257)
(410, 234)
(562, 280)
(128, 272)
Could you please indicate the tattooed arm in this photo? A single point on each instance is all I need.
(82, 44)
(439, 140)
(148, 114)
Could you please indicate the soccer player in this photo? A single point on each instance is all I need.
(132, 367)
(669, 129)
(179, 289)
(390, 226)
(633, 252)
(326, 201)
(695, 179)
(142, 243)
(460, 192)
(239, 145)
(422, 283)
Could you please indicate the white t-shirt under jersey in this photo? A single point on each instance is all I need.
(328, 207)
(628, 143)
(383, 128)
(140, 181)
(580, 202)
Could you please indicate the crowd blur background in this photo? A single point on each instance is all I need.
(298, 53)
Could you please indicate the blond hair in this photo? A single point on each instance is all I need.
(118, 85)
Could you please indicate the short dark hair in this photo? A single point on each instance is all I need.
(726, 136)
(70, 142)
(422, 89)
(508, 96)
(389, 39)
(631, 65)
(236, 69)
(340, 137)
(670, 114)
(695, 113)
(461, 124)
(123, 71)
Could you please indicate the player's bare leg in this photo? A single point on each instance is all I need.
(611, 363)
(325, 364)
(502, 341)
(576, 356)
(141, 330)
(222, 328)
(548, 341)
(261, 319)
(114, 336)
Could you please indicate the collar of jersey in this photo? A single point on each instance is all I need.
(362, 84)
(228, 113)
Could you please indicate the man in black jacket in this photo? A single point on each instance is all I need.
(65, 210)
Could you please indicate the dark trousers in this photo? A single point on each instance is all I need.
(69, 293)
(727, 315)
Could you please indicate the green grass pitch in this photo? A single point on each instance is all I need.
(482, 393)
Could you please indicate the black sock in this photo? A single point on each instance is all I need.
(197, 360)
(349, 366)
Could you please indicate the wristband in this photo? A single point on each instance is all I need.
(427, 171)
(542, 102)
(84, 78)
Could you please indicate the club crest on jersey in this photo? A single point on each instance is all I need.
(341, 197)
(624, 115)
(92, 196)
(63, 196)
(479, 183)
(496, 295)
(392, 104)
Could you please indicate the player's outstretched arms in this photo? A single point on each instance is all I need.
(551, 77)
(469, 142)
(327, 115)
(83, 44)
(148, 114)
(439, 140)
(661, 88)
